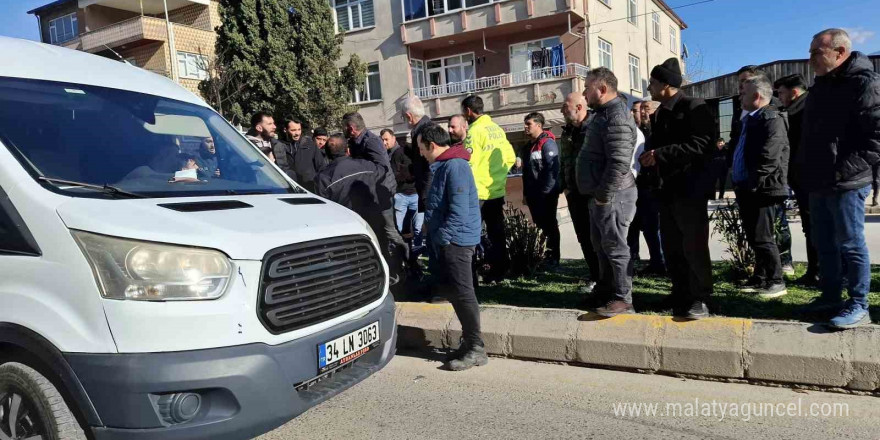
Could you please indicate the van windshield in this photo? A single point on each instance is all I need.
(136, 143)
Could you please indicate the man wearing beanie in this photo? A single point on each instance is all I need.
(680, 150)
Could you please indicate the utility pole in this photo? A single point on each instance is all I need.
(175, 75)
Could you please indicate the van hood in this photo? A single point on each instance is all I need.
(242, 233)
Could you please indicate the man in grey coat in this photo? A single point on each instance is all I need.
(605, 176)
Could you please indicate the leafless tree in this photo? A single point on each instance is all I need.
(221, 85)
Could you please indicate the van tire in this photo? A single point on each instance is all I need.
(48, 415)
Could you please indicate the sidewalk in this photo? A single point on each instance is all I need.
(728, 348)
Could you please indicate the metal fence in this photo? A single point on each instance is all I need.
(504, 80)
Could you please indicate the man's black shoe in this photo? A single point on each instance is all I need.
(752, 285)
(808, 279)
(697, 310)
(772, 290)
(475, 356)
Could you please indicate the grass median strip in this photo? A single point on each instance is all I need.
(560, 290)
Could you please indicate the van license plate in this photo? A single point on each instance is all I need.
(345, 349)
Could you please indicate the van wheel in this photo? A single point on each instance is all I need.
(31, 407)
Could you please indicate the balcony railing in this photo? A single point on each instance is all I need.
(124, 32)
(504, 80)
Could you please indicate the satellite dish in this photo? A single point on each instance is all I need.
(684, 51)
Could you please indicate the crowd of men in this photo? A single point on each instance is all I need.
(624, 168)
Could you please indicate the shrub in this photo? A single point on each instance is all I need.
(728, 224)
(525, 243)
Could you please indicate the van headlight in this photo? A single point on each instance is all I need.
(144, 271)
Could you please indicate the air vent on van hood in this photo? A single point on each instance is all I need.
(219, 205)
(303, 201)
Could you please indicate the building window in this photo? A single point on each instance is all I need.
(192, 65)
(451, 74)
(632, 11)
(354, 14)
(417, 69)
(673, 40)
(63, 29)
(372, 87)
(521, 54)
(416, 9)
(655, 30)
(605, 54)
(635, 77)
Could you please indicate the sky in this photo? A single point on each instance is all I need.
(722, 35)
(725, 35)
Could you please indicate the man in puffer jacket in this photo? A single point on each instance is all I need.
(604, 174)
(760, 170)
(452, 222)
(840, 144)
(540, 162)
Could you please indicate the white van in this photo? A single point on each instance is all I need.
(145, 297)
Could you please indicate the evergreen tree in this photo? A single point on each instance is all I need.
(282, 55)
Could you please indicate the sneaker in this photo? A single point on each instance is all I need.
(475, 356)
(586, 289)
(751, 286)
(614, 308)
(697, 310)
(458, 352)
(788, 269)
(772, 290)
(852, 316)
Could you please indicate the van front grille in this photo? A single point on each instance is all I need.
(307, 283)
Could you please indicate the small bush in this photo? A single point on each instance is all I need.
(729, 225)
(525, 243)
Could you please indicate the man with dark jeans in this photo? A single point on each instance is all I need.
(492, 156)
(604, 173)
(364, 144)
(540, 159)
(793, 92)
(760, 167)
(573, 134)
(680, 151)
(452, 223)
(840, 144)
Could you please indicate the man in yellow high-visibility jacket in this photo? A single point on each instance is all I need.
(491, 159)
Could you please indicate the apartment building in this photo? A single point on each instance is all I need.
(138, 32)
(442, 50)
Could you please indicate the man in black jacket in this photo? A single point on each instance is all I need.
(364, 144)
(576, 114)
(406, 200)
(681, 149)
(540, 162)
(297, 155)
(413, 113)
(840, 144)
(604, 174)
(793, 95)
(352, 183)
(760, 167)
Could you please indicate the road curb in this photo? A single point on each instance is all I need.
(760, 350)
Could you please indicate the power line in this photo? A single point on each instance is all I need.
(646, 13)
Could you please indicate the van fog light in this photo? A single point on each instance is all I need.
(179, 407)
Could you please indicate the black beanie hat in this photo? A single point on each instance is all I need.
(668, 73)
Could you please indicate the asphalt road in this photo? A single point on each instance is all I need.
(509, 399)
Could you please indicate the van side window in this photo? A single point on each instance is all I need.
(15, 238)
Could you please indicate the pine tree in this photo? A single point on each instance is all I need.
(282, 55)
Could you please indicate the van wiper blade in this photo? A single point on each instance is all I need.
(109, 189)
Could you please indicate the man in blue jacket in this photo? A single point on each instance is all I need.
(452, 225)
(540, 162)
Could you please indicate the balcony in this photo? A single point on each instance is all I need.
(509, 91)
(124, 32)
(496, 17)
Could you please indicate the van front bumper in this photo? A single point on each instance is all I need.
(245, 390)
